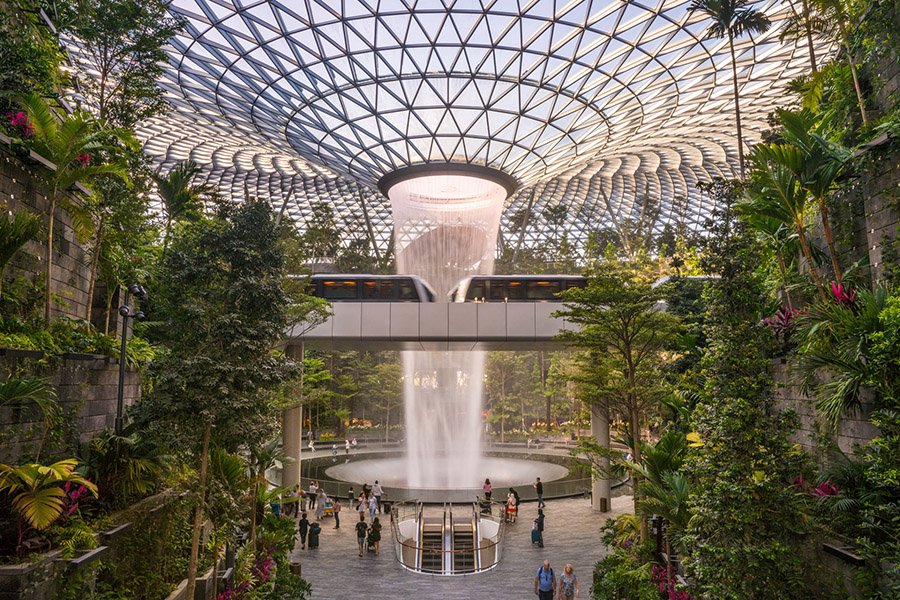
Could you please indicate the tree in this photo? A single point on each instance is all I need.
(120, 51)
(775, 192)
(624, 335)
(222, 308)
(731, 19)
(385, 385)
(15, 231)
(801, 25)
(745, 508)
(183, 199)
(68, 144)
(503, 372)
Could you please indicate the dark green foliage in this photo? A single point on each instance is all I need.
(221, 308)
(626, 571)
(29, 54)
(746, 510)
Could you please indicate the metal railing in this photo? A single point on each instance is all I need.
(412, 553)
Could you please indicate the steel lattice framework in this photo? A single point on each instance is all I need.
(589, 104)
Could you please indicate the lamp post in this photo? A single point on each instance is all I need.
(127, 312)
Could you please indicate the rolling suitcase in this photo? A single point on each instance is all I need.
(535, 536)
(314, 530)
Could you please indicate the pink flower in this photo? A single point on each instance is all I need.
(83, 159)
(826, 488)
(842, 297)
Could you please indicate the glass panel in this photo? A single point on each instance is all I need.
(476, 290)
(407, 291)
(543, 290)
(339, 290)
(515, 291)
(379, 289)
(498, 291)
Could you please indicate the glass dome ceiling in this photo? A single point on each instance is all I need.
(586, 103)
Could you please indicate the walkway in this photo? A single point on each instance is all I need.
(572, 536)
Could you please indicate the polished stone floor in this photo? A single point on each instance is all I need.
(336, 572)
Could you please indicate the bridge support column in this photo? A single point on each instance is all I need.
(600, 489)
(291, 441)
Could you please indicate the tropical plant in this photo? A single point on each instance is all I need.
(822, 165)
(123, 466)
(801, 25)
(183, 199)
(731, 19)
(832, 20)
(35, 389)
(73, 144)
(776, 193)
(837, 336)
(35, 492)
(668, 498)
(15, 231)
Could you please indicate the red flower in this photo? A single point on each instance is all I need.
(83, 159)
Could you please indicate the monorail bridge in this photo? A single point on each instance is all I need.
(435, 327)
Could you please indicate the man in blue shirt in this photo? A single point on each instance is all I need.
(545, 582)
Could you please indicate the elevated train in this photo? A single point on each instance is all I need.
(409, 288)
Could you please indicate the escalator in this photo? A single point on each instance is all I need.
(432, 544)
(464, 547)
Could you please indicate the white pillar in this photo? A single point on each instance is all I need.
(292, 441)
(600, 489)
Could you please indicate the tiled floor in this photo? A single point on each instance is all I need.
(336, 572)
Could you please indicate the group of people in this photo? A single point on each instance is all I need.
(369, 500)
(546, 585)
(348, 444)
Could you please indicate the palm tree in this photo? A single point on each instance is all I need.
(668, 498)
(801, 25)
(36, 493)
(34, 389)
(731, 19)
(182, 198)
(70, 143)
(15, 232)
(776, 193)
(778, 236)
(823, 163)
(833, 21)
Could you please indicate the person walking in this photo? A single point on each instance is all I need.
(375, 535)
(313, 491)
(294, 503)
(303, 528)
(512, 507)
(568, 584)
(321, 500)
(372, 506)
(337, 513)
(377, 491)
(362, 505)
(350, 498)
(539, 487)
(545, 582)
(361, 531)
(347, 447)
(539, 527)
(486, 488)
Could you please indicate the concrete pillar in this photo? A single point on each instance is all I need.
(292, 442)
(600, 488)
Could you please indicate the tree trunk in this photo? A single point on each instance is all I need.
(809, 37)
(522, 408)
(198, 515)
(784, 280)
(859, 97)
(387, 422)
(669, 573)
(829, 238)
(737, 106)
(544, 391)
(636, 457)
(48, 291)
(812, 266)
(93, 279)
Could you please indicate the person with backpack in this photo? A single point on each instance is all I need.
(545, 582)
(362, 530)
(303, 528)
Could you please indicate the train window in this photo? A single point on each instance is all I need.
(576, 283)
(339, 290)
(515, 290)
(543, 290)
(406, 291)
(498, 291)
(475, 290)
(379, 289)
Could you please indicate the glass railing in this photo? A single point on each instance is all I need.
(415, 556)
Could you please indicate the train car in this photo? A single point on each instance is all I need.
(357, 287)
(513, 288)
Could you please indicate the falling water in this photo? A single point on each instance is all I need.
(445, 229)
